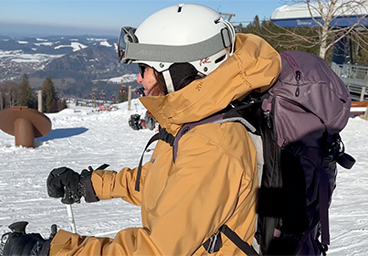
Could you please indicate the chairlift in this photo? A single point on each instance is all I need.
(123, 89)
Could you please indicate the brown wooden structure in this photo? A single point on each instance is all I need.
(358, 108)
(25, 124)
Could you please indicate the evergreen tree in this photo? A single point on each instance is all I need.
(122, 97)
(49, 98)
(26, 93)
(256, 24)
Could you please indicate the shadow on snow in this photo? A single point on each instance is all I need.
(62, 133)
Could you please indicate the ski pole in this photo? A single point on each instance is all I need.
(68, 200)
(71, 218)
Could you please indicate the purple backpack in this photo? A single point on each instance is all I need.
(298, 121)
(305, 111)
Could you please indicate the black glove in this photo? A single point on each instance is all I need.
(70, 186)
(18, 243)
(64, 182)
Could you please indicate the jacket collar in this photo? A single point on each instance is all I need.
(254, 65)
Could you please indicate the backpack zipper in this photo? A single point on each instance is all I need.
(297, 78)
(296, 69)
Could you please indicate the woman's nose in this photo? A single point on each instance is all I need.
(139, 78)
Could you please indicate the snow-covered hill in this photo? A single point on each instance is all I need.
(53, 45)
(81, 137)
(75, 63)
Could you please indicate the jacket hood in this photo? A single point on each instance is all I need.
(254, 65)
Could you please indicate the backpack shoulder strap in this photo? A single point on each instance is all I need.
(154, 138)
(188, 126)
(230, 114)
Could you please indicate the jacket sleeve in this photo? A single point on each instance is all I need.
(201, 194)
(110, 184)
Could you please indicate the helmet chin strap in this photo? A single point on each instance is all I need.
(168, 81)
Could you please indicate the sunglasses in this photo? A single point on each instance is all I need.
(142, 69)
(126, 36)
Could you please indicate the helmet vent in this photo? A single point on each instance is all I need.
(179, 9)
(220, 59)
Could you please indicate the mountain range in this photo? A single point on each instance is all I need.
(77, 64)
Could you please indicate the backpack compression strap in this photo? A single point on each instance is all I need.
(333, 151)
(245, 247)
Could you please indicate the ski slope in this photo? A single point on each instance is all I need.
(81, 137)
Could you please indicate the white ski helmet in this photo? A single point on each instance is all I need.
(184, 33)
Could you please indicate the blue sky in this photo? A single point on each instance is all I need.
(98, 17)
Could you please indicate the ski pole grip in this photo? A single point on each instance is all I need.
(68, 198)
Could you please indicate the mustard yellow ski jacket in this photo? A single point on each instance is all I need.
(213, 180)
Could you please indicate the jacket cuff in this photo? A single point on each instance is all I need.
(88, 191)
(64, 240)
(45, 249)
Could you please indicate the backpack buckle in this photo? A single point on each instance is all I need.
(289, 236)
(167, 137)
(214, 243)
(332, 149)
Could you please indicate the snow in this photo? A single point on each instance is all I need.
(127, 78)
(96, 39)
(358, 109)
(45, 43)
(19, 56)
(75, 45)
(105, 43)
(82, 137)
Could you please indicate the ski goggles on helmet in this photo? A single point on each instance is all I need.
(126, 36)
(130, 50)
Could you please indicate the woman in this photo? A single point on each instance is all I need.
(191, 66)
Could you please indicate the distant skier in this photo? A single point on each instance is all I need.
(136, 123)
(191, 66)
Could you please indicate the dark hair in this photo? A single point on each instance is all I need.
(182, 74)
(160, 82)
